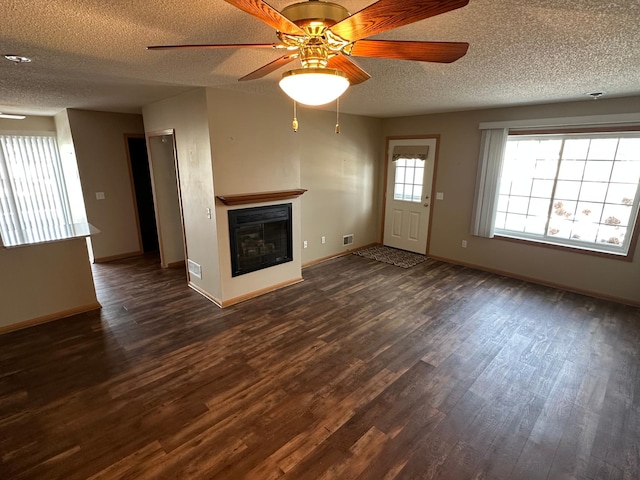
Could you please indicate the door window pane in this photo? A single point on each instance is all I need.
(409, 175)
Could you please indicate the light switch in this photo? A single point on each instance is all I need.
(99, 195)
(439, 195)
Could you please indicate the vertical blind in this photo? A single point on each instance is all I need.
(492, 150)
(34, 205)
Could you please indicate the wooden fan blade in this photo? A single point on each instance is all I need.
(269, 67)
(388, 14)
(355, 74)
(225, 45)
(441, 52)
(269, 15)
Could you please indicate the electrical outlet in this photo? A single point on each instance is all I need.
(464, 244)
(323, 239)
(305, 244)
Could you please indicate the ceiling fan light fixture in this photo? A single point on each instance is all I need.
(314, 86)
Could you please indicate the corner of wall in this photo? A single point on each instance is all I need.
(186, 115)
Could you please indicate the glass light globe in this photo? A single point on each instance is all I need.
(314, 86)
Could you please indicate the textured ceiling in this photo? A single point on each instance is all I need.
(91, 54)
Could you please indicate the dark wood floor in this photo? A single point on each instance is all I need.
(363, 371)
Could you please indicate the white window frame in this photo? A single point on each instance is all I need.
(494, 138)
(416, 182)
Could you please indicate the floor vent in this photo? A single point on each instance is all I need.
(347, 239)
(195, 269)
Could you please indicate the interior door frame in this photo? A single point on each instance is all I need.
(148, 136)
(432, 197)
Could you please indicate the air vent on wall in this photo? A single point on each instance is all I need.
(347, 239)
(195, 269)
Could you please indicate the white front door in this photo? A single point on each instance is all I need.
(408, 197)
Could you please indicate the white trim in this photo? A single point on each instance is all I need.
(614, 119)
(622, 249)
(568, 243)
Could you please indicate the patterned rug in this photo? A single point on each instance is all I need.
(394, 256)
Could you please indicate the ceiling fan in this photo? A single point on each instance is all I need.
(323, 35)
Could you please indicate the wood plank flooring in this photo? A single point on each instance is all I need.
(363, 371)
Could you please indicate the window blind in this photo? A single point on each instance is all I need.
(492, 149)
(34, 205)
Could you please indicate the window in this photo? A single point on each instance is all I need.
(579, 189)
(408, 179)
(34, 204)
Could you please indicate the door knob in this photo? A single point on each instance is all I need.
(426, 204)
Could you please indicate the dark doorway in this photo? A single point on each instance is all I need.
(143, 193)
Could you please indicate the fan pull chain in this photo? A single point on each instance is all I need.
(294, 124)
(338, 115)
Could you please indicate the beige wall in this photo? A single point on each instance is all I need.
(456, 176)
(187, 115)
(101, 153)
(244, 143)
(30, 124)
(44, 281)
(255, 150)
(48, 280)
(252, 144)
(342, 175)
(252, 148)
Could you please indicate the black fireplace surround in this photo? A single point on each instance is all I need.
(260, 237)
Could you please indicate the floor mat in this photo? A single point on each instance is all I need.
(393, 256)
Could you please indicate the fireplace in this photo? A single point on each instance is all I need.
(260, 237)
